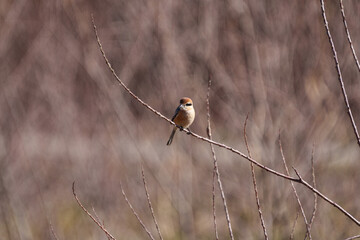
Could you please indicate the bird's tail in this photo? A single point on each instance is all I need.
(171, 136)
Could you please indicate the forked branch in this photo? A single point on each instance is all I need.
(306, 184)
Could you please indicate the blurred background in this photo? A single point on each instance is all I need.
(64, 118)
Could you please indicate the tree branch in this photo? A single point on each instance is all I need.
(337, 66)
(216, 170)
(348, 35)
(149, 202)
(101, 226)
(254, 182)
(135, 213)
(295, 192)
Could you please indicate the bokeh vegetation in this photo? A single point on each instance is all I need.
(64, 118)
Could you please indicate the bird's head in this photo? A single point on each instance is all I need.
(186, 103)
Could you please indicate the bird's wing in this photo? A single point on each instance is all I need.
(176, 112)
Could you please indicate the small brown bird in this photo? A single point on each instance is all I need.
(184, 116)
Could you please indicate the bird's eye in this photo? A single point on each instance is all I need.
(188, 104)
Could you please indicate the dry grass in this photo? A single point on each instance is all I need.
(64, 118)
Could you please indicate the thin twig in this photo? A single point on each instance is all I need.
(135, 213)
(98, 219)
(96, 216)
(53, 231)
(293, 228)
(213, 203)
(354, 237)
(294, 190)
(314, 184)
(348, 35)
(149, 202)
(254, 182)
(217, 143)
(208, 130)
(89, 214)
(216, 170)
(339, 72)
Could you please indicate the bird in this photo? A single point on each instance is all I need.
(183, 117)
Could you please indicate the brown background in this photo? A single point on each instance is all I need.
(64, 118)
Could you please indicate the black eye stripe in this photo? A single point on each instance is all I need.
(188, 104)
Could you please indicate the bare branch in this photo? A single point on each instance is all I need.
(208, 130)
(306, 184)
(295, 192)
(348, 35)
(134, 212)
(89, 214)
(149, 202)
(254, 182)
(293, 228)
(98, 219)
(354, 237)
(52, 231)
(314, 184)
(213, 203)
(339, 72)
(216, 170)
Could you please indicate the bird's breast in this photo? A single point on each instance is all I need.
(185, 118)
